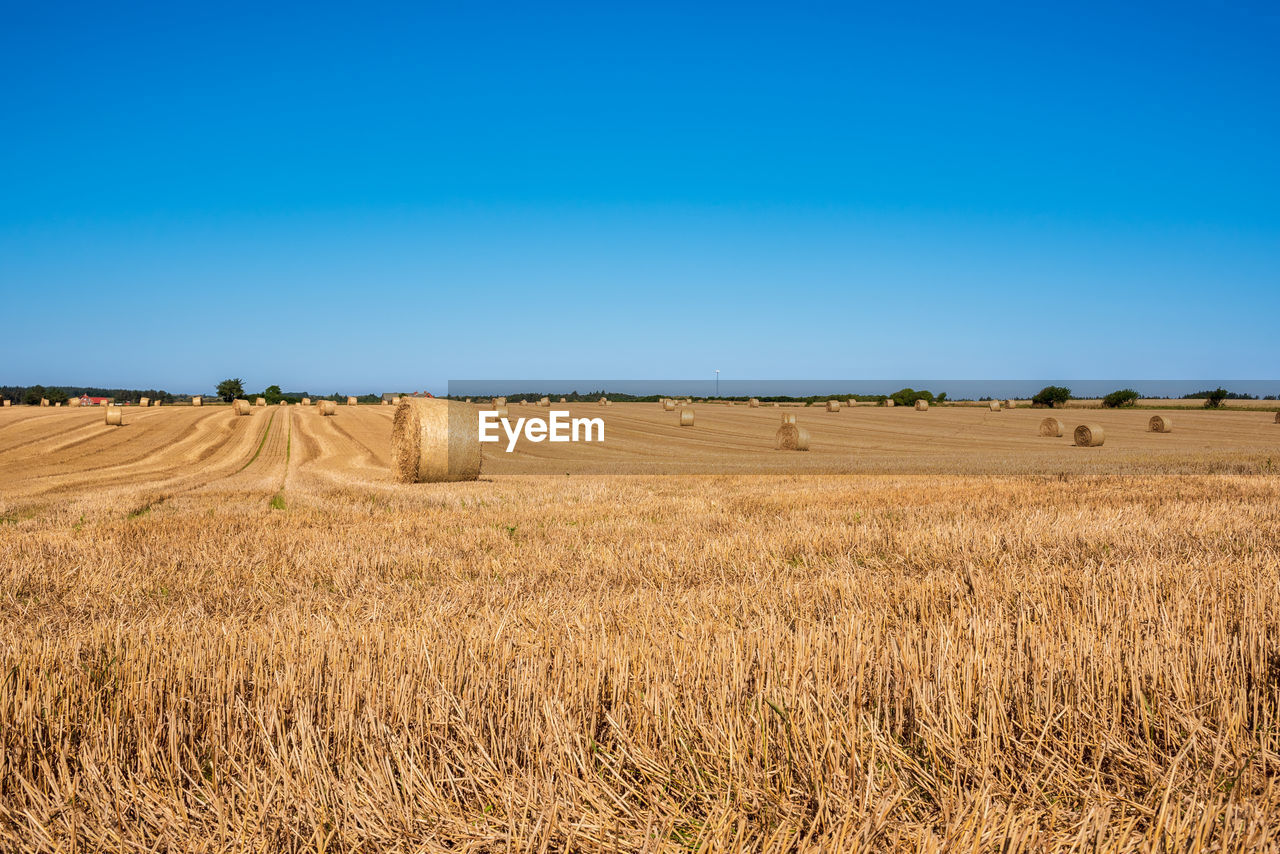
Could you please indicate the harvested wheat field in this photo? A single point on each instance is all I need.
(224, 633)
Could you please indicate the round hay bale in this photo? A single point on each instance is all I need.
(1278, 417)
(686, 417)
(1010, 404)
(44, 401)
(788, 418)
(1052, 428)
(58, 405)
(75, 401)
(833, 406)
(8, 402)
(468, 400)
(670, 406)
(564, 400)
(503, 412)
(546, 401)
(1160, 424)
(262, 401)
(327, 407)
(922, 406)
(888, 401)
(1090, 435)
(240, 407)
(994, 406)
(497, 401)
(351, 401)
(284, 403)
(753, 403)
(386, 402)
(115, 416)
(144, 402)
(306, 401)
(197, 401)
(852, 401)
(433, 441)
(791, 438)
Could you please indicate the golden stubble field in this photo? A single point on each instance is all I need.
(233, 634)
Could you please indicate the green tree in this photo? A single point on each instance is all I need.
(272, 394)
(229, 390)
(33, 395)
(1215, 398)
(1120, 397)
(909, 396)
(1051, 396)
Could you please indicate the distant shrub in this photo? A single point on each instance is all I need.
(909, 396)
(1051, 396)
(1214, 398)
(1121, 397)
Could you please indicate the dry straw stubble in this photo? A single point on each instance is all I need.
(434, 441)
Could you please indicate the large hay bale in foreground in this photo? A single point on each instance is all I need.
(197, 401)
(1052, 427)
(670, 406)
(351, 401)
(262, 401)
(327, 407)
(1090, 435)
(833, 406)
(753, 403)
(434, 440)
(115, 416)
(922, 406)
(791, 438)
(240, 407)
(788, 418)
(1160, 424)
(994, 406)
(686, 417)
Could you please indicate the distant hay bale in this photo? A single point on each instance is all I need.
(58, 404)
(788, 418)
(994, 406)
(434, 440)
(1010, 404)
(115, 416)
(351, 401)
(74, 401)
(197, 401)
(1160, 424)
(386, 402)
(922, 405)
(564, 400)
(262, 401)
(240, 407)
(852, 401)
(1090, 435)
(327, 407)
(468, 400)
(670, 406)
(604, 401)
(1277, 415)
(8, 402)
(833, 406)
(753, 403)
(546, 401)
(791, 438)
(497, 401)
(284, 403)
(44, 401)
(888, 401)
(503, 412)
(306, 401)
(144, 402)
(686, 417)
(1052, 427)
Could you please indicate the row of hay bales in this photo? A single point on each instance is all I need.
(1093, 435)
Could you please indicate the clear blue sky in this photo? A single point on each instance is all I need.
(366, 196)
